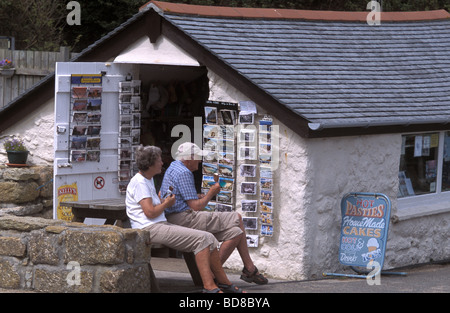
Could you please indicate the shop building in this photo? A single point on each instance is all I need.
(352, 108)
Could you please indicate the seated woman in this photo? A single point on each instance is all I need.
(145, 208)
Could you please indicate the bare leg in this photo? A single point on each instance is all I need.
(239, 242)
(217, 269)
(204, 267)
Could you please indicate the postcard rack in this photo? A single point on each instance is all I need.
(239, 142)
(85, 118)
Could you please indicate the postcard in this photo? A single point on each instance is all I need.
(94, 105)
(93, 156)
(79, 105)
(79, 118)
(246, 118)
(228, 117)
(78, 143)
(247, 170)
(208, 181)
(79, 92)
(211, 115)
(249, 205)
(226, 170)
(209, 169)
(266, 195)
(250, 223)
(226, 183)
(266, 207)
(226, 158)
(211, 157)
(79, 130)
(211, 131)
(247, 135)
(252, 241)
(93, 143)
(266, 218)
(210, 207)
(78, 156)
(248, 188)
(267, 230)
(266, 183)
(247, 153)
(225, 197)
(226, 132)
(223, 207)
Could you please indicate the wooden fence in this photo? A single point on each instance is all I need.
(31, 67)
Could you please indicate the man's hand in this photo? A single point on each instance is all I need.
(215, 189)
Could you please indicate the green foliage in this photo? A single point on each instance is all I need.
(41, 24)
(98, 18)
(36, 24)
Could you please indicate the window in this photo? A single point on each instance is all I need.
(424, 164)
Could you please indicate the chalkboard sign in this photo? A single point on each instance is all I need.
(364, 228)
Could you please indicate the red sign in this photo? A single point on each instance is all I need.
(99, 183)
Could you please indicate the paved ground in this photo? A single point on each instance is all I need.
(173, 276)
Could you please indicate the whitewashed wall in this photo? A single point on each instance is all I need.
(313, 176)
(36, 130)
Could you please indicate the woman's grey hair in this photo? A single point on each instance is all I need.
(146, 156)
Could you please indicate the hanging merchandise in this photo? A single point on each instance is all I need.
(85, 118)
(266, 176)
(219, 142)
(129, 130)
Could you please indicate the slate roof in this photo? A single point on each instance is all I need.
(341, 73)
(321, 73)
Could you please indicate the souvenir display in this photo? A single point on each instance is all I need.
(219, 142)
(129, 130)
(266, 176)
(239, 145)
(85, 118)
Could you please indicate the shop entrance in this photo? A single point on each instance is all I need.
(171, 96)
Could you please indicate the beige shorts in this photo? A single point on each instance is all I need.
(181, 238)
(223, 225)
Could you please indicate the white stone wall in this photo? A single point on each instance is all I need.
(282, 255)
(313, 176)
(339, 166)
(36, 130)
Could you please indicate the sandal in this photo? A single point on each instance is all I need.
(230, 288)
(249, 277)
(215, 290)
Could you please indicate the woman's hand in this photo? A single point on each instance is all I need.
(169, 201)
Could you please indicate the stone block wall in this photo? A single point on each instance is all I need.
(45, 255)
(26, 191)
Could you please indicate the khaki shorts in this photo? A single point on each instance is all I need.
(181, 238)
(223, 225)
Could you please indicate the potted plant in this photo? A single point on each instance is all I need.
(16, 150)
(7, 68)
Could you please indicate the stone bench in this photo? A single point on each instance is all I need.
(45, 255)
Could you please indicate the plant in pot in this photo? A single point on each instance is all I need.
(16, 150)
(7, 68)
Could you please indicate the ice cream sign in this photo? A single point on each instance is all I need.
(364, 228)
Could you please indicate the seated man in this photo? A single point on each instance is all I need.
(146, 211)
(227, 227)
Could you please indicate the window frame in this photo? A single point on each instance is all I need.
(430, 203)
